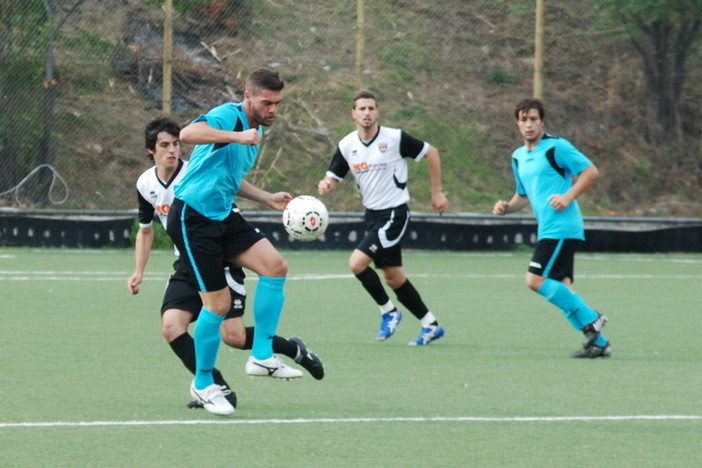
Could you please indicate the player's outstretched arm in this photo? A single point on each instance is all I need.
(277, 201)
(200, 133)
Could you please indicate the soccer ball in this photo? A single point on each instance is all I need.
(305, 218)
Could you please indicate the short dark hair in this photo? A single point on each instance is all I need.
(264, 78)
(364, 94)
(526, 105)
(156, 126)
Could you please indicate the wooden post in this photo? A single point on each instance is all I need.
(167, 56)
(539, 51)
(360, 41)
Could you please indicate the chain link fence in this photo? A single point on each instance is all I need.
(78, 83)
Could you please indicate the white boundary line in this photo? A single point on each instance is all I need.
(662, 417)
(9, 275)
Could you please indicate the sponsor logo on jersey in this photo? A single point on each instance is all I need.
(362, 167)
(165, 208)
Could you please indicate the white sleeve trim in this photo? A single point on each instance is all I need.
(333, 176)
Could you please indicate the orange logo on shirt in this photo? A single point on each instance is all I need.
(163, 208)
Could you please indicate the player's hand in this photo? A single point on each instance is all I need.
(323, 187)
(133, 283)
(500, 208)
(249, 137)
(559, 201)
(279, 200)
(439, 202)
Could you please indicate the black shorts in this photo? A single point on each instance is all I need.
(384, 232)
(554, 258)
(181, 291)
(206, 244)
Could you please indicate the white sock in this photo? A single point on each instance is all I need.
(387, 307)
(428, 319)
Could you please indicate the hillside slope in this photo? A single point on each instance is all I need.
(448, 72)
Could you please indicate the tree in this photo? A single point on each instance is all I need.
(56, 16)
(28, 32)
(20, 76)
(664, 32)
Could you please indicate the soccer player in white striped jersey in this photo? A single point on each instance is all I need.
(376, 156)
(181, 301)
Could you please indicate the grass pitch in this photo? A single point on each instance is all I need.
(87, 379)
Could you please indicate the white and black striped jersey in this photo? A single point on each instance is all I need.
(155, 195)
(378, 166)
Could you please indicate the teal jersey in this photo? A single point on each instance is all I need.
(215, 171)
(546, 170)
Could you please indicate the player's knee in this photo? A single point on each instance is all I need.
(232, 334)
(534, 282)
(394, 276)
(357, 264)
(356, 268)
(282, 268)
(171, 329)
(275, 268)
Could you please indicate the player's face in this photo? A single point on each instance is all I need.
(167, 150)
(365, 113)
(530, 125)
(264, 106)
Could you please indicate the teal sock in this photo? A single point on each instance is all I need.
(572, 306)
(587, 315)
(206, 335)
(268, 306)
(573, 319)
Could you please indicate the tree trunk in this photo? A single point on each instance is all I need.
(664, 47)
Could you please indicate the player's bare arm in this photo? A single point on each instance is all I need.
(516, 203)
(142, 250)
(277, 201)
(200, 133)
(438, 200)
(582, 183)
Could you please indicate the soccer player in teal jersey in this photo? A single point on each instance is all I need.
(207, 232)
(550, 175)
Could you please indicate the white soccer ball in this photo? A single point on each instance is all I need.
(305, 218)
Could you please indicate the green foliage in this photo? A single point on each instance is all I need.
(182, 6)
(161, 239)
(500, 77)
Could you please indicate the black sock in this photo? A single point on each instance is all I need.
(280, 344)
(248, 343)
(409, 297)
(218, 379)
(285, 347)
(184, 348)
(371, 282)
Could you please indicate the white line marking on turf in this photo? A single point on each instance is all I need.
(8, 275)
(661, 417)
